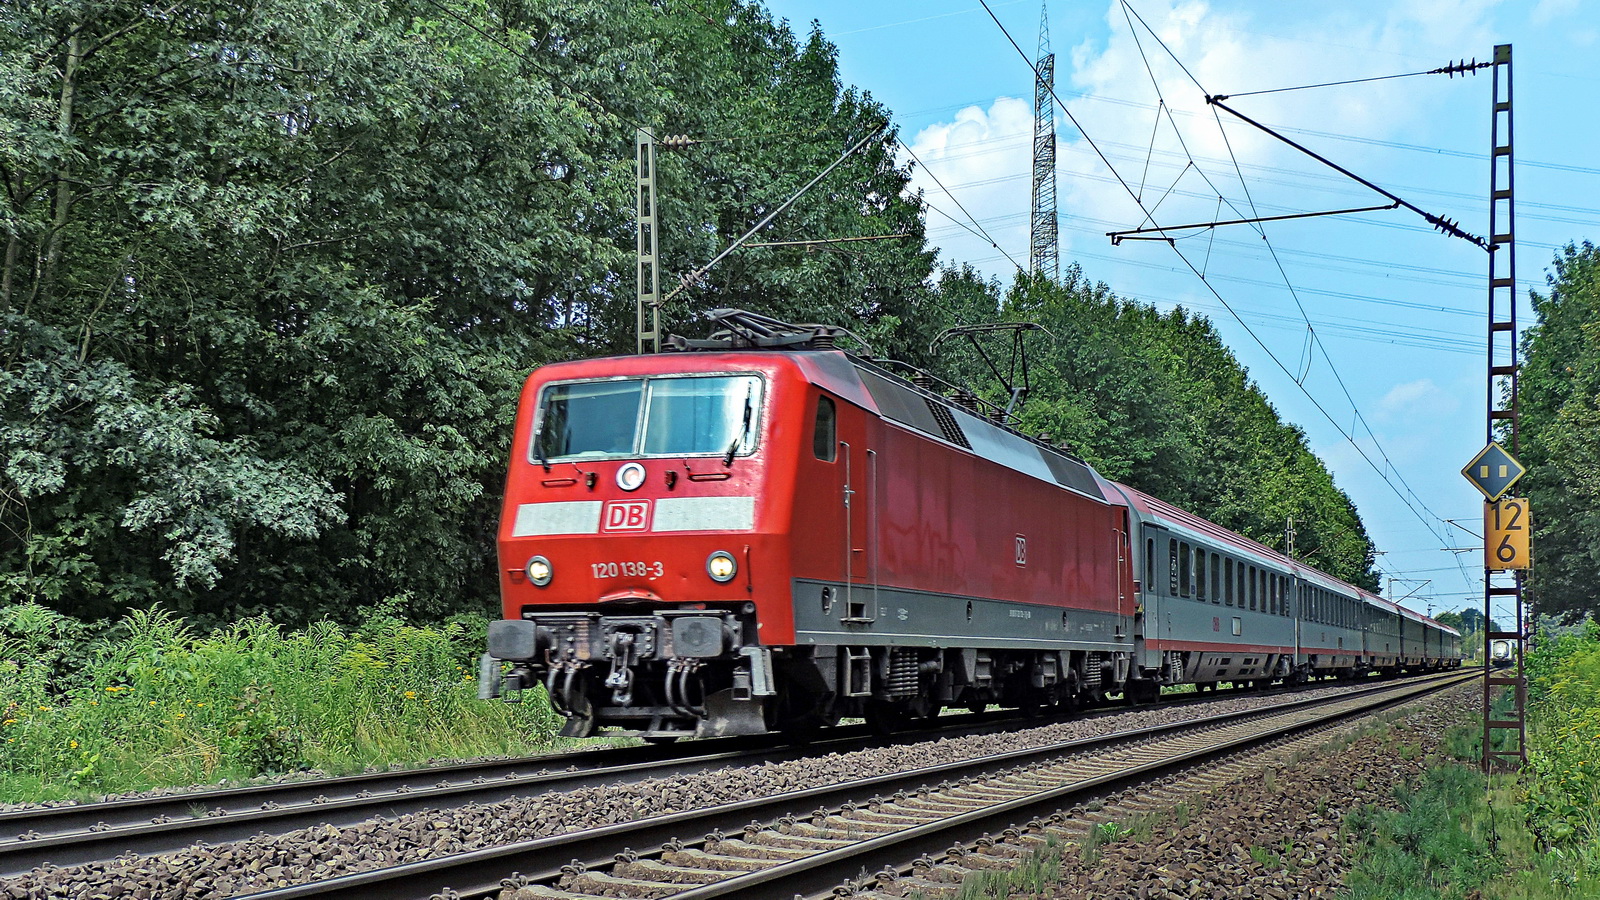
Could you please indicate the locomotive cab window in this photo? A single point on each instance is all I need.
(825, 436)
(669, 416)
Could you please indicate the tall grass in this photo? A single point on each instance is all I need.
(158, 704)
(1564, 747)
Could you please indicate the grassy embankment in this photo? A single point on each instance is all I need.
(1534, 835)
(154, 704)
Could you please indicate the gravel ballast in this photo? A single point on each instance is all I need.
(1275, 833)
(267, 862)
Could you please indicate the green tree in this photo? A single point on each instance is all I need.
(1559, 408)
(275, 271)
(1157, 401)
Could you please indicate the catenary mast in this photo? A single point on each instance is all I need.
(1042, 244)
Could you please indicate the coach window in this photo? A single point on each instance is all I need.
(1243, 592)
(1254, 588)
(1183, 569)
(824, 438)
(1200, 575)
(1172, 568)
(1227, 580)
(1216, 578)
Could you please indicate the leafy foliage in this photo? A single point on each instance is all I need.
(1564, 792)
(1560, 433)
(274, 273)
(159, 705)
(1157, 401)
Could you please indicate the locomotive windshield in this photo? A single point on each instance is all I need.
(678, 416)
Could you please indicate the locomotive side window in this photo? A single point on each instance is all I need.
(1200, 576)
(824, 437)
(1216, 578)
(1184, 563)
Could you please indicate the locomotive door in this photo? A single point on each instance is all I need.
(860, 500)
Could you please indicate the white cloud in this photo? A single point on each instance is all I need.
(1549, 10)
(984, 157)
(1414, 400)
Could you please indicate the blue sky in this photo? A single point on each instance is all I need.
(1396, 364)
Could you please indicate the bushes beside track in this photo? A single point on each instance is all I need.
(1564, 746)
(151, 703)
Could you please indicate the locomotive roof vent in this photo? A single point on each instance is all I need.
(744, 330)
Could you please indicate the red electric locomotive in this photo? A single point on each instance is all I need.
(768, 533)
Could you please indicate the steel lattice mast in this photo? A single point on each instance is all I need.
(1042, 258)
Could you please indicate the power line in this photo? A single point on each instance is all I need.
(984, 234)
(1212, 289)
(1439, 222)
(1453, 69)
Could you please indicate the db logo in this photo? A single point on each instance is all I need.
(625, 515)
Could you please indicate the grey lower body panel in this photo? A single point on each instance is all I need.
(908, 618)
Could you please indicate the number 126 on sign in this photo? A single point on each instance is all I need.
(1506, 526)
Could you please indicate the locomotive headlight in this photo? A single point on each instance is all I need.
(721, 567)
(539, 571)
(630, 476)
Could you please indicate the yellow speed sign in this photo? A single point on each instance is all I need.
(1506, 525)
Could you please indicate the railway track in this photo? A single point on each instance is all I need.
(807, 842)
(82, 833)
(67, 835)
(70, 835)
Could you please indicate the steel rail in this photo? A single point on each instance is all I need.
(87, 832)
(144, 825)
(479, 873)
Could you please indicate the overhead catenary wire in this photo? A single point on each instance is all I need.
(695, 277)
(1443, 224)
(981, 233)
(1382, 474)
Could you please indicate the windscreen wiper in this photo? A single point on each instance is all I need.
(744, 431)
(538, 450)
